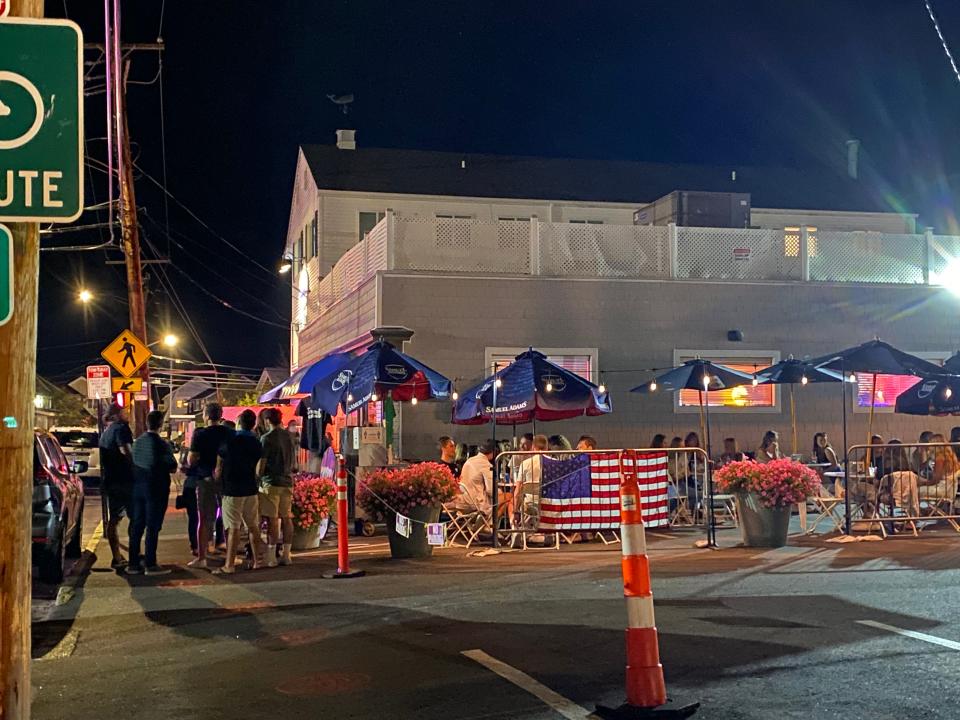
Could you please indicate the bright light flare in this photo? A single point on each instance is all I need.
(170, 340)
(85, 296)
(803, 380)
(653, 386)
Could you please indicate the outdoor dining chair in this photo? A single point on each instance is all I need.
(467, 524)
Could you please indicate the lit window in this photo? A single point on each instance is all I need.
(744, 397)
(889, 387)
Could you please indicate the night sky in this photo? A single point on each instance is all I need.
(770, 82)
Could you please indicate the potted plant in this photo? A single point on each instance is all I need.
(765, 496)
(314, 498)
(416, 492)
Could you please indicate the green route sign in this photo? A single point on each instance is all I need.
(6, 275)
(41, 120)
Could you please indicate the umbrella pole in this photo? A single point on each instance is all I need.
(873, 402)
(793, 417)
(496, 465)
(708, 479)
(846, 456)
(703, 428)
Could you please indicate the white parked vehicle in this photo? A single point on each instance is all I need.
(81, 444)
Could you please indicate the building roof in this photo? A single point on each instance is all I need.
(272, 376)
(427, 172)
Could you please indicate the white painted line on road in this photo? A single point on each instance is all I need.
(562, 705)
(932, 639)
(94, 541)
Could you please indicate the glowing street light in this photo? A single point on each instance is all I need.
(170, 340)
(285, 267)
(85, 296)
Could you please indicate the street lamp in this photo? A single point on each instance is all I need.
(85, 296)
(170, 341)
(285, 267)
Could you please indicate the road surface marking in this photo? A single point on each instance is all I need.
(567, 708)
(932, 639)
(94, 541)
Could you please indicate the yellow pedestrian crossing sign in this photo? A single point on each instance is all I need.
(126, 354)
(128, 385)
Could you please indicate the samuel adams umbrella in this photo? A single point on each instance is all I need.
(703, 376)
(794, 372)
(303, 380)
(531, 388)
(932, 396)
(381, 369)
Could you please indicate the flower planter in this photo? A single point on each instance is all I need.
(309, 538)
(415, 546)
(762, 526)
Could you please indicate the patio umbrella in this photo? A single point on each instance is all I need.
(303, 380)
(383, 370)
(876, 358)
(531, 388)
(702, 376)
(795, 372)
(932, 396)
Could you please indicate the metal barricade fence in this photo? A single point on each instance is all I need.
(896, 487)
(520, 483)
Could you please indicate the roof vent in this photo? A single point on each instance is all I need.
(346, 139)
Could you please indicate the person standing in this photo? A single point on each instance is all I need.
(237, 472)
(204, 449)
(116, 480)
(153, 462)
(275, 470)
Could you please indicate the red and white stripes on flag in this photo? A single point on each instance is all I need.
(583, 492)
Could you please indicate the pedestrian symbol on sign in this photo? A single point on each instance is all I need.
(127, 353)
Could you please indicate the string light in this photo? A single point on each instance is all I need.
(947, 393)
(706, 382)
(349, 397)
(413, 401)
(499, 382)
(456, 395)
(852, 378)
(803, 380)
(602, 388)
(756, 381)
(653, 386)
(373, 398)
(549, 387)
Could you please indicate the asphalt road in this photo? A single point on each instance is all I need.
(749, 634)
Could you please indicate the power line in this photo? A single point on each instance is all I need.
(943, 40)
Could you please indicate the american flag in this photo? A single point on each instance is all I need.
(583, 492)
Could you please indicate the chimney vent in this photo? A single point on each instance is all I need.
(853, 158)
(346, 139)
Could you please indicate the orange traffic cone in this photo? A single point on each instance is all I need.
(646, 689)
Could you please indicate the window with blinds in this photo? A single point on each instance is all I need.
(582, 361)
(889, 387)
(745, 397)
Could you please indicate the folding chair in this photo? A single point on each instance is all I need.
(467, 523)
(825, 503)
(939, 499)
(680, 515)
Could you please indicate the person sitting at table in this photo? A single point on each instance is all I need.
(659, 441)
(476, 481)
(922, 460)
(877, 456)
(731, 453)
(526, 491)
(901, 482)
(823, 453)
(942, 483)
(559, 442)
(769, 449)
(955, 438)
(448, 454)
(586, 442)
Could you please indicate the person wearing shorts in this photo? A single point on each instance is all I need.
(275, 471)
(204, 450)
(237, 472)
(116, 484)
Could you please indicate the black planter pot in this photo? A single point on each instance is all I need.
(415, 546)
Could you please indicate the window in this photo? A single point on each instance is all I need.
(453, 231)
(791, 241)
(299, 256)
(744, 398)
(587, 222)
(582, 361)
(368, 221)
(308, 241)
(889, 387)
(315, 234)
(513, 233)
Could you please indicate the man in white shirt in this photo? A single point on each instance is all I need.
(527, 489)
(476, 479)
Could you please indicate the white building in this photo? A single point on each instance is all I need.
(481, 255)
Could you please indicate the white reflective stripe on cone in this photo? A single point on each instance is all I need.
(341, 495)
(640, 612)
(634, 540)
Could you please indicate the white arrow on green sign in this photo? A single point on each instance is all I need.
(41, 120)
(6, 275)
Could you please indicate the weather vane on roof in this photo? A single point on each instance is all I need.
(343, 101)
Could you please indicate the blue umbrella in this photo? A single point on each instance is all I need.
(936, 395)
(531, 388)
(381, 369)
(303, 380)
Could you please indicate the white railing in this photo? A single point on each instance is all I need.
(520, 247)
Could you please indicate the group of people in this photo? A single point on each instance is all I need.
(239, 475)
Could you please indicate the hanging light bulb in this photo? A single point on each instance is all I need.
(756, 381)
(803, 380)
(602, 388)
(706, 382)
(852, 378)
(499, 382)
(456, 395)
(349, 397)
(549, 387)
(653, 386)
(947, 393)
(413, 401)
(373, 398)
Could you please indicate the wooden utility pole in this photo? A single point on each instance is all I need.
(130, 233)
(18, 370)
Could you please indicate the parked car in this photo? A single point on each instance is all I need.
(57, 507)
(81, 443)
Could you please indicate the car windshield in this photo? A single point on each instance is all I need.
(76, 438)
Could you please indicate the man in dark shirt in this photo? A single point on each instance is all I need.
(116, 475)
(275, 471)
(204, 450)
(448, 454)
(153, 462)
(237, 471)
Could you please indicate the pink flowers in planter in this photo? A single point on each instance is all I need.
(403, 489)
(780, 483)
(314, 498)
